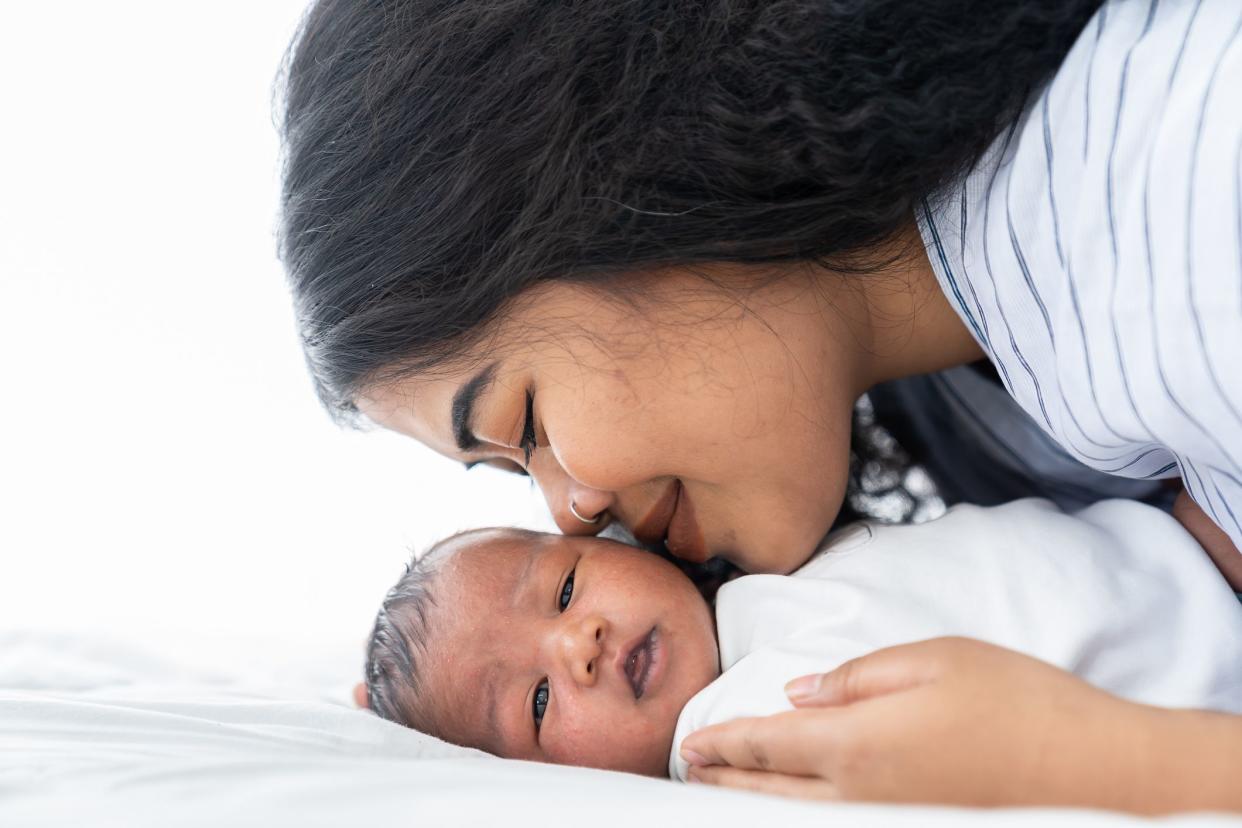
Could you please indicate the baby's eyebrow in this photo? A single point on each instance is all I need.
(491, 679)
(522, 579)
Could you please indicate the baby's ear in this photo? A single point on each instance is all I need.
(360, 695)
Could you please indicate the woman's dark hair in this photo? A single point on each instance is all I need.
(442, 156)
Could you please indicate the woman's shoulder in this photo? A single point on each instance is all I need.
(1097, 251)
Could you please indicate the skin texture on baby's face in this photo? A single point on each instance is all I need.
(577, 651)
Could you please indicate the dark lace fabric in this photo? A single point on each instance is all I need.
(977, 445)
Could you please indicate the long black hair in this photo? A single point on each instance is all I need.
(442, 156)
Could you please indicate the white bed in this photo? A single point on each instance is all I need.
(100, 733)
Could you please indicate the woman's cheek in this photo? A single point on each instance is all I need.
(612, 454)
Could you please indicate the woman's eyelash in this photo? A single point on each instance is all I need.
(540, 704)
(567, 592)
(527, 444)
(504, 465)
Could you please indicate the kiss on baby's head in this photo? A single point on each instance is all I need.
(573, 650)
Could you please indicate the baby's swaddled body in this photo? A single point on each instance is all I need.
(1118, 594)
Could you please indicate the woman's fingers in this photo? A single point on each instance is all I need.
(804, 742)
(890, 670)
(785, 743)
(799, 787)
(952, 721)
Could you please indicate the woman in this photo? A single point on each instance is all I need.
(651, 254)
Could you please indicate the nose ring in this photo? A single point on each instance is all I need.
(574, 511)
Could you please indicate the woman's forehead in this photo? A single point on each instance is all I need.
(414, 406)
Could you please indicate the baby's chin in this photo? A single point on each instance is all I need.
(650, 757)
(630, 744)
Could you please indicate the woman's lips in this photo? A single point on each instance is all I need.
(653, 527)
(672, 522)
(685, 539)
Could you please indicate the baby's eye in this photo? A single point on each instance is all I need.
(540, 705)
(567, 592)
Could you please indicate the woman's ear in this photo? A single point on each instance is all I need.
(360, 696)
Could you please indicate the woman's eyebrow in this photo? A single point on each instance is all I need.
(462, 410)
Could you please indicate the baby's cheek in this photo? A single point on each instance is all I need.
(615, 741)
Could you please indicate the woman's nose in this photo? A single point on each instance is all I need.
(581, 644)
(577, 509)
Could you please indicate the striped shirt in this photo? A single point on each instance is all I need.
(1095, 253)
(979, 446)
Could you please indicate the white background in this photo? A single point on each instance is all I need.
(166, 473)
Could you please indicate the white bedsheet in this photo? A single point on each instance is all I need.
(103, 734)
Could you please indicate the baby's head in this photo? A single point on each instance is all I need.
(573, 650)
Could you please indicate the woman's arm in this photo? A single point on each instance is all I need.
(1211, 537)
(958, 721)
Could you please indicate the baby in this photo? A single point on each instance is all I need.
(584, 651)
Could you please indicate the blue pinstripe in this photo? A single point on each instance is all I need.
(1190, 297)
(1086, 95)
(1052, 196)
(1151, 268)
(970, 285)
(948, 274)
(987, 264)
(1112, 211)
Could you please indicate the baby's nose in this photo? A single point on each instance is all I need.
(582, 643)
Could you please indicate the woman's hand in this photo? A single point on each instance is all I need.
(954, 720)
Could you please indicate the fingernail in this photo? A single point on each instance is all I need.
(693, 777)
(693, 758)
(804, 688)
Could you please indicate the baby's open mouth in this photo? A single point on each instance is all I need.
(638, 662)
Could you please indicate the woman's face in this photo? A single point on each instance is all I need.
(714, 420)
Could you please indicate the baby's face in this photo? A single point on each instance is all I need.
(578, 651)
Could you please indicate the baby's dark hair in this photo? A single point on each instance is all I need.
(402, 630)
(398, 643)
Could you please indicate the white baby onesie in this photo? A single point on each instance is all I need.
(1117, 593)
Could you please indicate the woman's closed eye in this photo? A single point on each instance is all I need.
(527, 442)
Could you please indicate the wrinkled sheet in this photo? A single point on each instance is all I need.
(105, 734)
